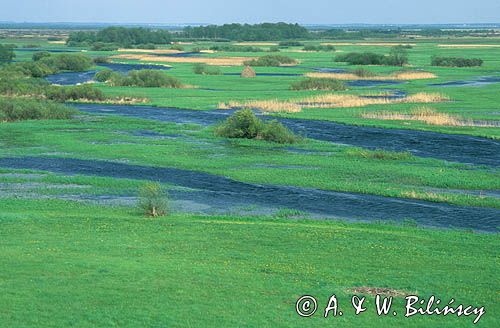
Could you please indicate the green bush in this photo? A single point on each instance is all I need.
(101, 46)
(40, 54)
(78, 92)
(230, 48)
(291, 44)
(244, 124)
(101, 60)
(147, 46)
(398, 56)
(360, 58)
(276, 132)
(147, 78)
(319, 48)
(153, 199)
(35, 69)
(12, 109)
(177, 47)
(205, 69)
(68, 62)
(456, 62)
(15, 80)
(362, 72)
(318, 84)
(271, 60)
(104, 75)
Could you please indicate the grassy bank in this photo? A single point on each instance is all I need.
(66, 264)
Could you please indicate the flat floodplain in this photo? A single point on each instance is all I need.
(393, 184)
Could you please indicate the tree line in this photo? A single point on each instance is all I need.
(247, 32)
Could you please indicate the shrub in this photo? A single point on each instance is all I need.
(205, 69)
(65, 93)
(456, 62)
(101, 46)
(291, 44)
(153, 199)
(101, 60)
(398, 56)
(35, 69)
(360, 58)
(319, 48)
(362, 72)
(12, 109)
(177, 47)
(68, 62)
(148, 78)
(271, 60)
(230, 48)
(104, 75)
(40, 54)
(15, 80)
(276, 132)
(318, 84)
(244, 124)
(147, 46)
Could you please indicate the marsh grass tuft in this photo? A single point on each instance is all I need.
(319, 84)
(381, 154)
(153, 199)
(204, 69)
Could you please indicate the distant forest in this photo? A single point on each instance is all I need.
(246, 32)
(136, 36)
(122, 36)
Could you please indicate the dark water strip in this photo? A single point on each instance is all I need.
(327, 203)
(481, 81)
(450, 147)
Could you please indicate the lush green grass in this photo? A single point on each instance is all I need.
(65, 264)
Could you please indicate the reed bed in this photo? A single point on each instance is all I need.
(330, 101)
(429, 116)
(406, 75)
(269, 106)
(218, 61)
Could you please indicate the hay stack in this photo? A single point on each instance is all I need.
(248, 72)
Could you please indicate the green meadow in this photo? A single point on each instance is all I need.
(70, 259)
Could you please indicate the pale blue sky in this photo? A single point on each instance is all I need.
(252, 11)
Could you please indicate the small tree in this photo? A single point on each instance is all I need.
(398, 56)
(153, 199)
